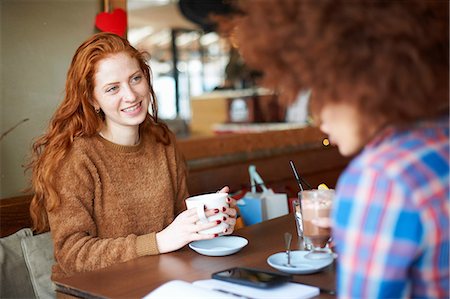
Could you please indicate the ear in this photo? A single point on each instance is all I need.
(94, 104)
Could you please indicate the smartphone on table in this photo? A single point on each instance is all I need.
(252, 277)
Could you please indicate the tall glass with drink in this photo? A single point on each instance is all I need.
(316, 205)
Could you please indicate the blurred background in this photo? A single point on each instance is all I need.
(203, 86)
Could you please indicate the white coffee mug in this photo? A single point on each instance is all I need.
(210, 201)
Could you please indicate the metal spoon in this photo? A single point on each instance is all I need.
(287, 240)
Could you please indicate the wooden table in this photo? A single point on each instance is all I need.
(136, 278)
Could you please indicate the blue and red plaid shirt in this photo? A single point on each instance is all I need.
(391, 216)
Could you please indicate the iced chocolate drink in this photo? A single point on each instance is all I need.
(316, 204)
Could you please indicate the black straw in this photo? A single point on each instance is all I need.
(298, 178)
(296, 175)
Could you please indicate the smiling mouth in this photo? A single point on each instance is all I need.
(132, 108)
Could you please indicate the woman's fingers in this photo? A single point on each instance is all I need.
(231, 201)
(192, 214)
(211, 212)
(227, 231)
(199, 226)
(229, 220)
(197, 237)
(224, 189)
(231, 212)
(194, 226)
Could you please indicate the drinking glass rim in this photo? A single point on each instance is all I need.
(318, 191)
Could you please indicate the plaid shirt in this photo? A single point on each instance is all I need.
(391, 216)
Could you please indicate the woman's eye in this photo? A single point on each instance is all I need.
(136, 79)
(112, 89)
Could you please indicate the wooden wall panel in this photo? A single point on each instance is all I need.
(315, 166)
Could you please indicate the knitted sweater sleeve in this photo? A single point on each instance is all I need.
(77, 245)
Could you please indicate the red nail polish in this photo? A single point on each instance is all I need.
(218, 221)
(216, 235)
(224, 218)
(216, 211)
(224, 209)
(228, 200)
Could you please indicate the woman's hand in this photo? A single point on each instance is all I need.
(184, 229)
(231, 212)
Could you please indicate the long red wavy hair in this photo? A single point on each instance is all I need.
(76, 117)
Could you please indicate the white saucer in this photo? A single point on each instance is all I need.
(302, 265)
(220, 246)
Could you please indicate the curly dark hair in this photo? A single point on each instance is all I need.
(388, 58)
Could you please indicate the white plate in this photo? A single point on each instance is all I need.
(302, 264)
(220, 246)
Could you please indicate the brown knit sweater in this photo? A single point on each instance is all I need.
(113, 201)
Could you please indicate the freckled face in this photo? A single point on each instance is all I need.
(122, 92)
(343, 125)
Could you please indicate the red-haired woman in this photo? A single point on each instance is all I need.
(378, 72)
(108, 179)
